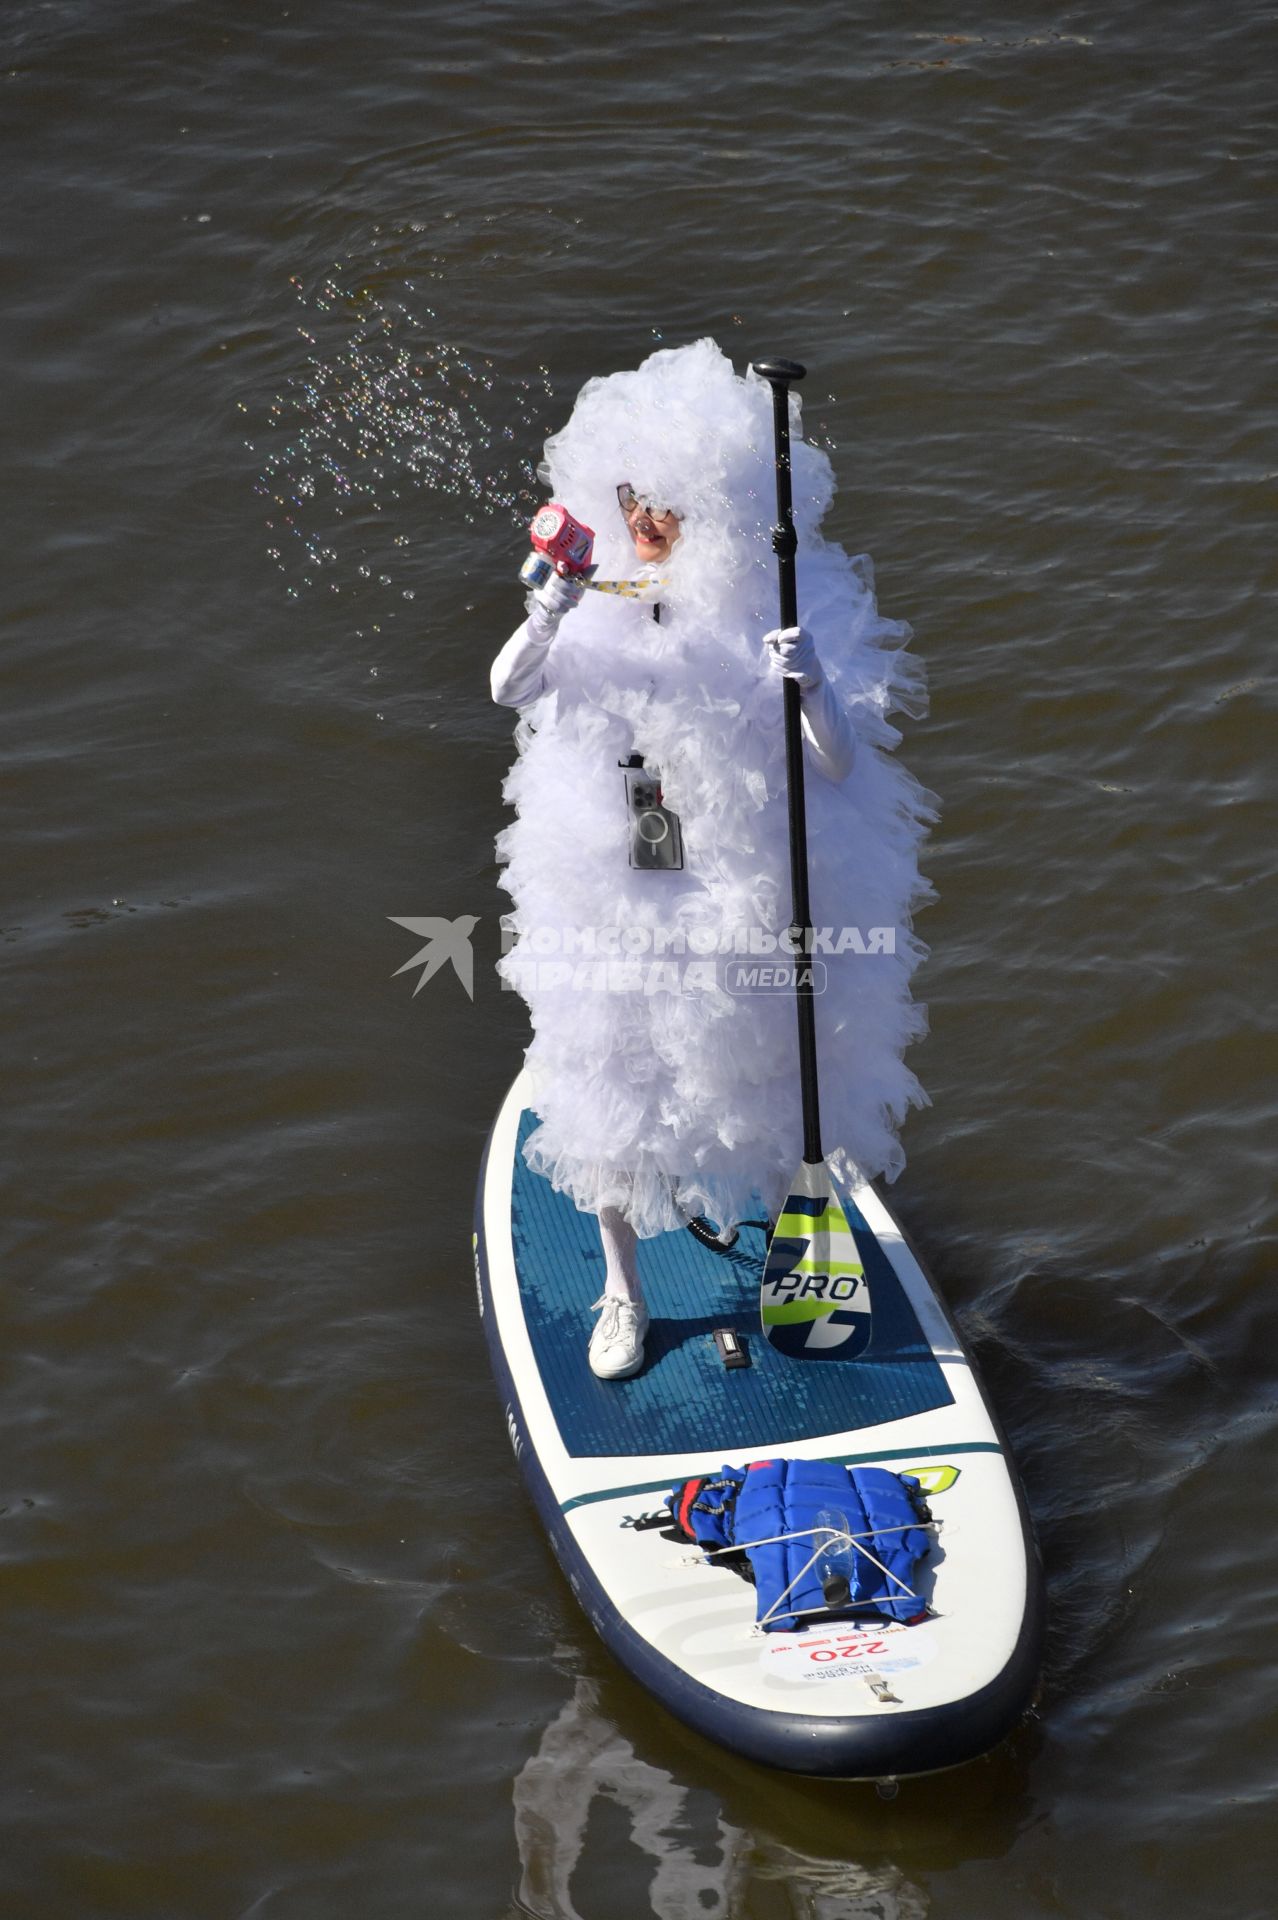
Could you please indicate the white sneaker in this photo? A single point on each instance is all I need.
(616, 1345)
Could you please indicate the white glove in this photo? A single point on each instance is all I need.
(793, 655)
(548, 603)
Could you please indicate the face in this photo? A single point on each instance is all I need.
(651, 524)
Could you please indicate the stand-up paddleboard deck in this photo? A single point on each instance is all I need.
(856, 1699)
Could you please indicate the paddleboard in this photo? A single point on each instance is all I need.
(860, 1698)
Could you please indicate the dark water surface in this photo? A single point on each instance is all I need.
(281, 1636)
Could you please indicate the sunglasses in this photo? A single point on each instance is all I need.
(629, 501)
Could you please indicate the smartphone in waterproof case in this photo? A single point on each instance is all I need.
(655, 839)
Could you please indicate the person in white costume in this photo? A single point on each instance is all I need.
(663, 1090)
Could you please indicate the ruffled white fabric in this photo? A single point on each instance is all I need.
(658, 1090)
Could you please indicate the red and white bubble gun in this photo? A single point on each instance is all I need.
(560, 545)
(564, 545)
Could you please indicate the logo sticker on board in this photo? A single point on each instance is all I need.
(933, 1480)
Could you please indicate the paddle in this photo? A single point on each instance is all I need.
(813, 1302)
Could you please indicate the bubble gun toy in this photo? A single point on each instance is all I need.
(560, 545)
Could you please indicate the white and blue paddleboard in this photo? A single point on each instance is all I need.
(860, 1698)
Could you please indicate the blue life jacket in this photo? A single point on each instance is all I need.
(856, 1537)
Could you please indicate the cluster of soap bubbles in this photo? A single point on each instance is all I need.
(385, 411)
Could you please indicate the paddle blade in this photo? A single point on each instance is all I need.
(814, 1302)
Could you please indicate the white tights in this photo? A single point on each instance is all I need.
(621, 1281)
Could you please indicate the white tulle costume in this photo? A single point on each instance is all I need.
(659, 1091)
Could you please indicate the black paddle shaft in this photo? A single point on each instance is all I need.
(781, 375)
